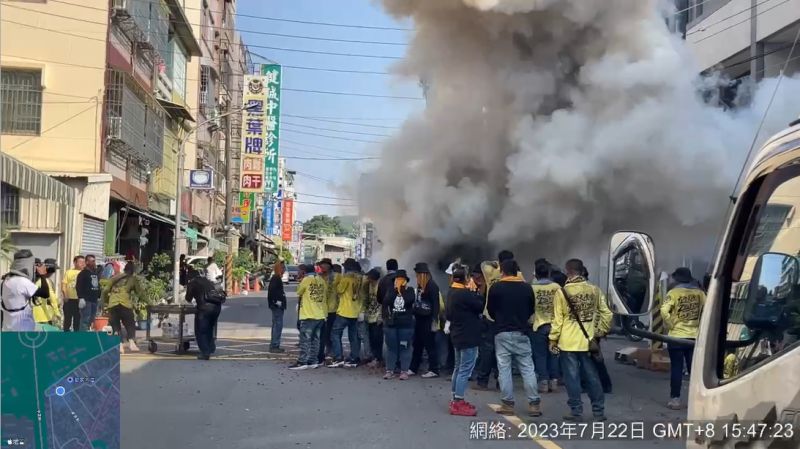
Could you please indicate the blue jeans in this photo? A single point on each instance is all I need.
(545, 362)
(465, 363)
(577, 365)
(277, 327)
(398, 347)
(515, 347)
(363, 338)
(677, 356)
(309, 341)
(352, 334)
(88, 314)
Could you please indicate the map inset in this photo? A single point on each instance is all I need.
(60, 390)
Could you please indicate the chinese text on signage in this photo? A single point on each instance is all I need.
(254, 126)
(271, 74)
(286, 220)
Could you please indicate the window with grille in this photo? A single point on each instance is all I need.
(21, 101)
(205, 84)
(9, 206)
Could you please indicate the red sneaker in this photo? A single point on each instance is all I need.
(461, 408)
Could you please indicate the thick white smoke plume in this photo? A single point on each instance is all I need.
(551, 124)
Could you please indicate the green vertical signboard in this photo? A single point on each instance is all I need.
(274, 76)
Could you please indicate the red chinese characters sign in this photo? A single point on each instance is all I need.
(286, 220)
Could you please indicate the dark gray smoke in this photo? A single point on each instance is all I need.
(551, 124)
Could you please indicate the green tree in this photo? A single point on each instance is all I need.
(323, 225)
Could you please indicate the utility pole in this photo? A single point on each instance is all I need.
(228, 173)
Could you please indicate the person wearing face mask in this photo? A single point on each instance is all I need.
(398, 326)
(17, 290)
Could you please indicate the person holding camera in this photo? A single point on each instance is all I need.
(17, 290)
(47, 310)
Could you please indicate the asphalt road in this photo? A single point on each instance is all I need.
(250, 400)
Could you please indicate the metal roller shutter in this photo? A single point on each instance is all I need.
(93, 237)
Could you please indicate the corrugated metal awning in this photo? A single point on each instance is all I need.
(28, 179)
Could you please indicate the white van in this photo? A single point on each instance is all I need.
(746, 365)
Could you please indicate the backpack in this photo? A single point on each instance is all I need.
(217, 295)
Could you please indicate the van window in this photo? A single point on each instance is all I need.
(771, 315)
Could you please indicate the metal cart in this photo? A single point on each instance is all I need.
(182, 342)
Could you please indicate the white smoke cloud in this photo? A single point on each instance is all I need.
(551, 124)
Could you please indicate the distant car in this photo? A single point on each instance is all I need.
(293, 272)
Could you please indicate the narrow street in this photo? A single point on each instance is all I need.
(246, 398)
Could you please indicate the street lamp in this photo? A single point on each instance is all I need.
(179, 193)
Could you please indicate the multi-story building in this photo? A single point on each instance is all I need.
(219, 71)
(746, 40)
(52, 63)
(149, 45)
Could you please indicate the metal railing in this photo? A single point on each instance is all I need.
(135, 122)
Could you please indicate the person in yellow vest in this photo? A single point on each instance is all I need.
(545, 293)
(72, 309)
(347, 312)
(681, 312)
(117, 300)
(487, 363)
(47, 310)
(328, 273)
(580, 316)
(313, 294)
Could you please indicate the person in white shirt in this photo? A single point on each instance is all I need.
(17, 290)
(213, 273)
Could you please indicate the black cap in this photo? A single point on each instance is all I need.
(402, 274)
(326, 261)
(682, 275)
(374, 274)
(421, 267)
(51, 262)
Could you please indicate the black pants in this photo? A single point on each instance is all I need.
(205, 321)
(325, 343)
(487, 362)
(678, 355)
(424, 340)
(375, 331)
(119, 316)
(72, 315)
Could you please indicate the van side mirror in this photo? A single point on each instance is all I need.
(772, 287)
(632, 279)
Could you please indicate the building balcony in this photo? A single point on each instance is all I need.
(145, 22)
(134, 121)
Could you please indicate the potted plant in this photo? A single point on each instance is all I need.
(155, 289)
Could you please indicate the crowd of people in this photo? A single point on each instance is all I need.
(489, 320)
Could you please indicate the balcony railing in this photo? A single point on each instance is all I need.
(135, 121)
(146, 23)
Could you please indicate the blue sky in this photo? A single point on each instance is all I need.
(382, 112)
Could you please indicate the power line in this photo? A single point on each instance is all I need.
(316, 178)
(352, 94)
(318, 117)
(340, 122)
(738, 23)
(264, 33)
(334, 130)
(335, 150)
(355, 55)
(326, 197)
(306, 133)
(305, 22)
(71, 117)
(726, 18)
(336, 159)
(322, 69)
(325, 204)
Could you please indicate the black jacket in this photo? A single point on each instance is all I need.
(385, 285)
(197, 289)
(511, 306)
(431, 296)
(276, 293)
(88, 285)
(464, 311)
(400, 314)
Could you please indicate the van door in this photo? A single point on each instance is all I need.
(746, 367)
